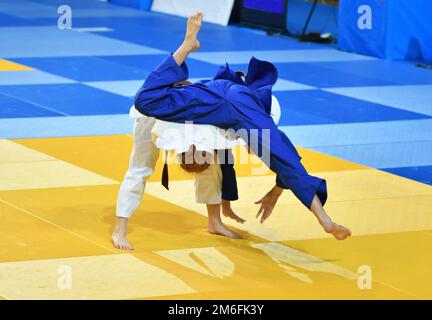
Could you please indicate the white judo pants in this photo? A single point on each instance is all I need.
(208, 184)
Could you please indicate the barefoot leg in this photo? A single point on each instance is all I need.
(119, 236)
(229, 213)
(215, 224)
(190, 42)
(338, 231)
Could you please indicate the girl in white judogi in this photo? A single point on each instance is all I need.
(149, 136)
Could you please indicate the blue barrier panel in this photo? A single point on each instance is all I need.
(392, 29)
(410, 35)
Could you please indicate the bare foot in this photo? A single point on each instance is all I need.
(120, 242)
(223, 231)
(119, 235)
(338, 231)
(229, 213)
(193, 27)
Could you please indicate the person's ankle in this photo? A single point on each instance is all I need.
(189, 44)
(327, 224)
(119, 230)
(226, 204)
(215, 224)
(121, 225)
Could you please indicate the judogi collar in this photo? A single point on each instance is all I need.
(260, 78)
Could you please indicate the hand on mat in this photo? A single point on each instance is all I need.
(268, 202)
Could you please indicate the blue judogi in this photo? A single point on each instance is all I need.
(228, 102)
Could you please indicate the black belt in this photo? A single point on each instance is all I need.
(165, 176)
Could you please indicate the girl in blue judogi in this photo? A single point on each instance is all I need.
(229, 102)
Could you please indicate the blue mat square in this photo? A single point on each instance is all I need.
(166, 33)
(415, 98)
(319, 75)
(79, 4)
(27, 9)
(43, 9)
(197, 69)
(383, 155)
(85, 68)
(276, 56)
(24, 77)
(127, 88)
(71, 99)
(398, 72)
(11, 21)
(49, 41)
(15, 108)
(421, 173)
(319, 107)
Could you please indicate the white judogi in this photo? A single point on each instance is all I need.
(150, 135)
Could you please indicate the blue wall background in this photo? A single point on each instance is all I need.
(324, 19)
(401, 30)
(410, 30)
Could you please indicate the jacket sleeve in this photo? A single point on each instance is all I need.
(277, 152)
(280, 155)
(159, 98)
(292, 175)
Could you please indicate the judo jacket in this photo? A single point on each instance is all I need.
(229, 102)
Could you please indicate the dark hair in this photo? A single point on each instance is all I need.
(182, 83)
(240, 73)
(189, 163)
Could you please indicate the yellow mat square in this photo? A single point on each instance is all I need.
(394, 204)
(119, 276)
(6, 65)
(25, 168)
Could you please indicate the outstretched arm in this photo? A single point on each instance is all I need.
(268, 203)
(310, 190)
